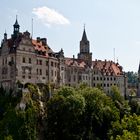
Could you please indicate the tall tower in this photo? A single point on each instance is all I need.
(85, 49)
(16, 28)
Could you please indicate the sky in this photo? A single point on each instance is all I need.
(112, 26)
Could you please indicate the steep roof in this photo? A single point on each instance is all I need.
(84, 37)
(108, 67)
(16, 23)
(75, 63)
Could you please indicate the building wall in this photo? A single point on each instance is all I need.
(27, 66)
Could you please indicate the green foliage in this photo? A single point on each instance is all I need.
(115, 94)
(83, 85)
(132, 77)
(128, 127)
(135, 106)
(127, 136)
(9, 137)
(82, 113)
(63, 115)
(100, 111)
(66, 91)
(28, 128)
(119, 101)
(71, 113)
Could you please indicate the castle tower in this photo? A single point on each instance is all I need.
(85, 49)
(16, 28)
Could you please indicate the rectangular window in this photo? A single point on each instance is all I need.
(37, 71)
(52, 72)
(30, 60)
(52, 64)
(40, 71)
(29, 77)
(46, 63)
(2, 61)
(40, 62)
(23, 59)
(55, 64)
(23, 76)
(5, 60)
(46, 72)
(74, 78)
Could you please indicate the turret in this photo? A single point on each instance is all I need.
(16, 28)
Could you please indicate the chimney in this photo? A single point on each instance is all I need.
(44, 41)
(38, 39)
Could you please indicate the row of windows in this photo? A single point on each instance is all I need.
(29, 77)
(54, 64)
(104, 85)
(53, 73)
(84, 77)
(5, 61)
(25, 61)
(39, 72)
(23, 76)
(104, 78)
(39, 62)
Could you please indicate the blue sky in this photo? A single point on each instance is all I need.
(109, 24)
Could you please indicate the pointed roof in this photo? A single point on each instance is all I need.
(16, 23)
(84, 37)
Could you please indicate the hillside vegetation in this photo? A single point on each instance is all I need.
(81, 113)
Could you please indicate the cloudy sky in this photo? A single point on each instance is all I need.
(110, 25)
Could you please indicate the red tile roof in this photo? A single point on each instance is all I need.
(108, 67)
(38, 45)
(75, 63)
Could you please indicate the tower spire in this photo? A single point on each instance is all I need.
(16, 27)
(84, 37)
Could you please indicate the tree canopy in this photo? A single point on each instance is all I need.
(81, 113)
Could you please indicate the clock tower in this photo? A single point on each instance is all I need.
(85, 53)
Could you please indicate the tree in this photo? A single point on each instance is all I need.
(119, 101)
(127, 136)
(100, 111)
(129, 127)
(64, 111)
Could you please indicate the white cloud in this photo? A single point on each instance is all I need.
(50, 16)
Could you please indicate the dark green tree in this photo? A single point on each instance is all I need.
(64, 113)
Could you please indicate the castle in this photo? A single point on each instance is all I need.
(32, 61)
